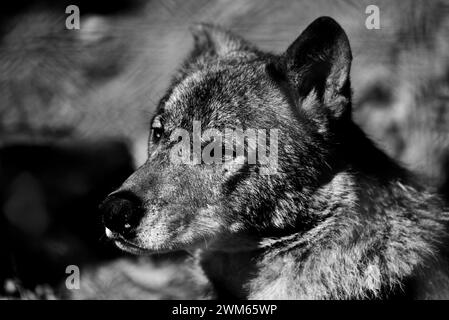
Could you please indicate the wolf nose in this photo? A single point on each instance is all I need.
(121, 213)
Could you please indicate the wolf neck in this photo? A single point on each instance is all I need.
(377, 232)
(376, 238)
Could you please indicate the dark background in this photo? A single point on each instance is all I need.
(75, 107)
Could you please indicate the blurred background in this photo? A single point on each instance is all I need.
(75, 107)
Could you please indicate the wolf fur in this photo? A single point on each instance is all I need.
(339, 220)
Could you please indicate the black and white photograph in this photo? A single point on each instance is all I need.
(224, 150)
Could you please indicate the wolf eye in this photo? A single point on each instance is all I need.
(157, 133)
(157, 129)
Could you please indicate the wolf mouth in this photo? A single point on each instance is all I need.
(128, 246)
(125, 244)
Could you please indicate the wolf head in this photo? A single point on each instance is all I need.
(179, 199)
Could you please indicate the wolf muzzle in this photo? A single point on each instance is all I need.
(122, 212)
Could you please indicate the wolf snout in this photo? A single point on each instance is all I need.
(121, 213)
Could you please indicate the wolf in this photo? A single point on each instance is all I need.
(338, 219)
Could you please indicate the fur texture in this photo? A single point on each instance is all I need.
(339, 219)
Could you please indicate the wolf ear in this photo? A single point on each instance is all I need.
(318, 65)
(216, 41)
